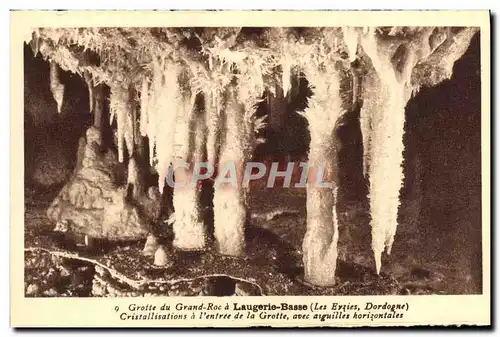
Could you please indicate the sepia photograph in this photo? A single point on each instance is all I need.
(255, 161)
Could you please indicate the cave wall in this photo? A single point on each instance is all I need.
(50, 138)
(443, 165)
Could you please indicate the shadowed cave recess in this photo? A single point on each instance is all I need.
(437, 246)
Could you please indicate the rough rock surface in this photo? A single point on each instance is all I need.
(92, 203)
(52, 167)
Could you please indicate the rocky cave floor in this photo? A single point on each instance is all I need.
(272, 265)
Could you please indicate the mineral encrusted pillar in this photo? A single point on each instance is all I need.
(189, 228)
(230, 204)
(320, 241)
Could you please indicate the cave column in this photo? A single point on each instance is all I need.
(230, 197)
(189, 229)
(320, 241)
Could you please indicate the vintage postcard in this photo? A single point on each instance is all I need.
(252, 168)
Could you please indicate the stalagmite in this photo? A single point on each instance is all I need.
(189, 230)
(320, 240)
(133, 178)
(161, 257)
(151, 245)
(56, 86)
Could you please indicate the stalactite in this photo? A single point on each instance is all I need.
(119, 113)
(198, 131)
(421, 62)
(371, 104)
(167, 102)
(120, 108)
(286, 66)
(99, 106)
(183, 140)
(56, 86)
(157, 89)
(35, 41)
(151, 125)
(351, 40)
(130, 125)
(90, 87)
(144, 107)
(386, 146)
(320, 240)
